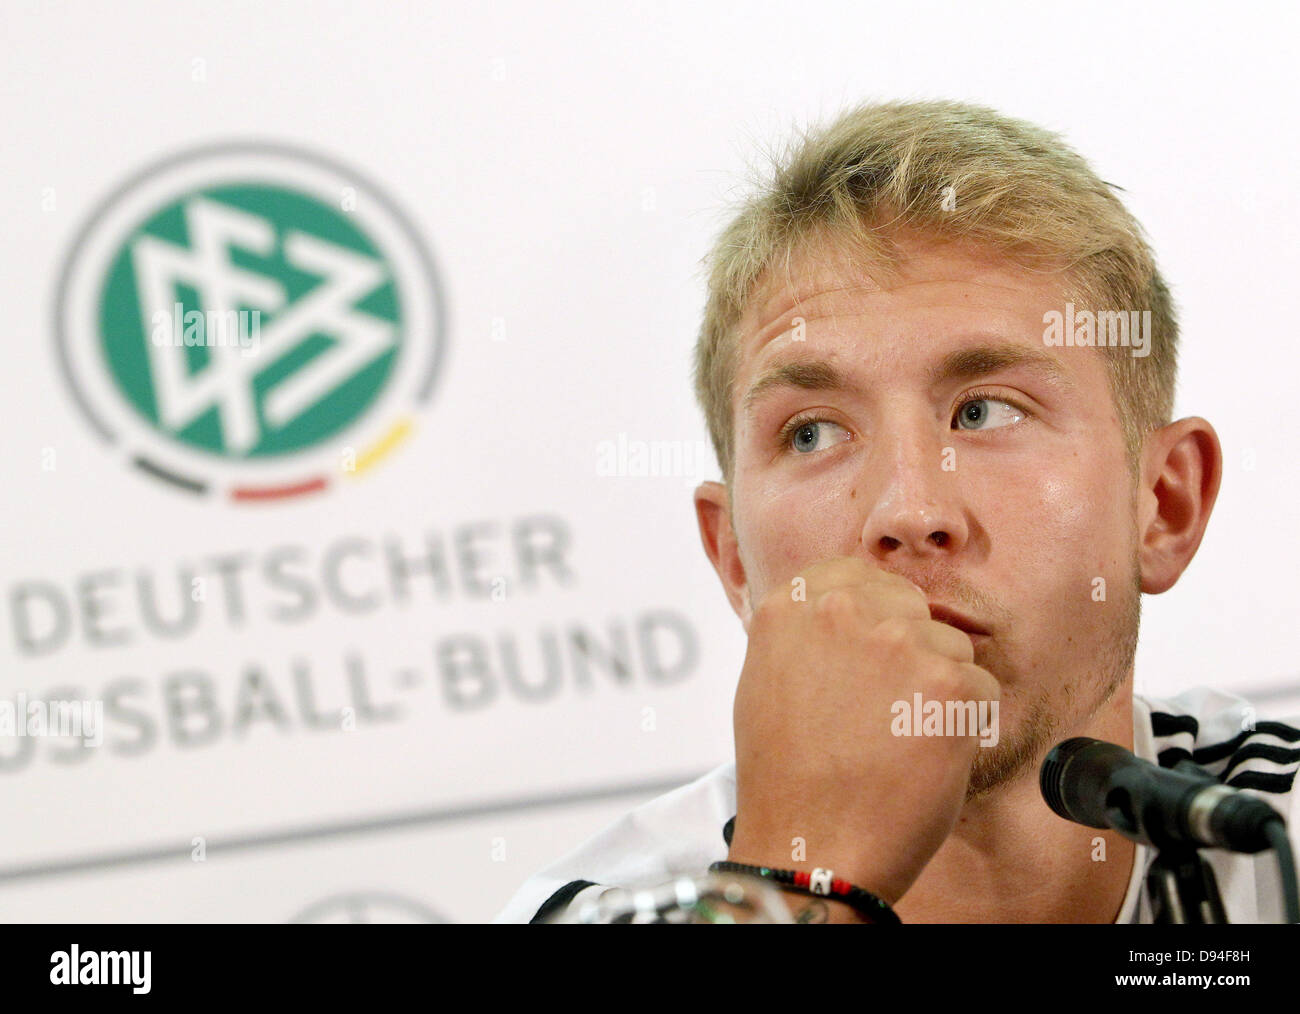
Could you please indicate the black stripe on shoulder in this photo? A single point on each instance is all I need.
(1165, 724)
(1262, 751)
(1168, 758)
(1263, 781)
(559, 899)
(1279, 729)
(1217, 751)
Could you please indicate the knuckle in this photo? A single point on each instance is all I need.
(947, 681)
(836, 606)
(977, 683)
(893, 633)
(913, 599)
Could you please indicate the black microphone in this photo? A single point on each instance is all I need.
(1103, 785)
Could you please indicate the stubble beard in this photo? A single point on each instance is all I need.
(1038, 728)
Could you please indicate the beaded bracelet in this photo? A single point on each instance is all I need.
(819, 882)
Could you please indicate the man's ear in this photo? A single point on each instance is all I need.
(713, 511)
(1182, 468)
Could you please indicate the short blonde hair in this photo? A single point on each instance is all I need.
(1015, 187)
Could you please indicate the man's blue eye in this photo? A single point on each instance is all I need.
(805, 437)
(810, 436)
(987, 414)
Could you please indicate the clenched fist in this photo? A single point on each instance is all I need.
(816, 758)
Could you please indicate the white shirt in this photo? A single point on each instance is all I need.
(681, 832)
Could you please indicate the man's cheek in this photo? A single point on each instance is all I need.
(1062, 505)
(795, 531)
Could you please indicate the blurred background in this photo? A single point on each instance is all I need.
(400, 603)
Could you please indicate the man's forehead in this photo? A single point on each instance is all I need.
(775, 299)
(821, 283)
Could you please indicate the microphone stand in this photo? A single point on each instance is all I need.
(1183, 888)
(1181, 883)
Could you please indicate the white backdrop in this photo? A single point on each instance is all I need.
(565, 166)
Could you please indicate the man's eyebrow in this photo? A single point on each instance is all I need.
(982, 360)
(964, 364)
(808, 374)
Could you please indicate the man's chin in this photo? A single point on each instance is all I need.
(1026, 738)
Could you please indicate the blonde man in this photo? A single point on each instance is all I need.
(937, 365)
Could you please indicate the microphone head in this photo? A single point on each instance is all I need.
(1100, 784)
(1051, 775)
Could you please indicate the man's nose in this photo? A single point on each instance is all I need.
(918, 511)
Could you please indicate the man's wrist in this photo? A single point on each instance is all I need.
(853, 860)
(845, 901)
(855, 873)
